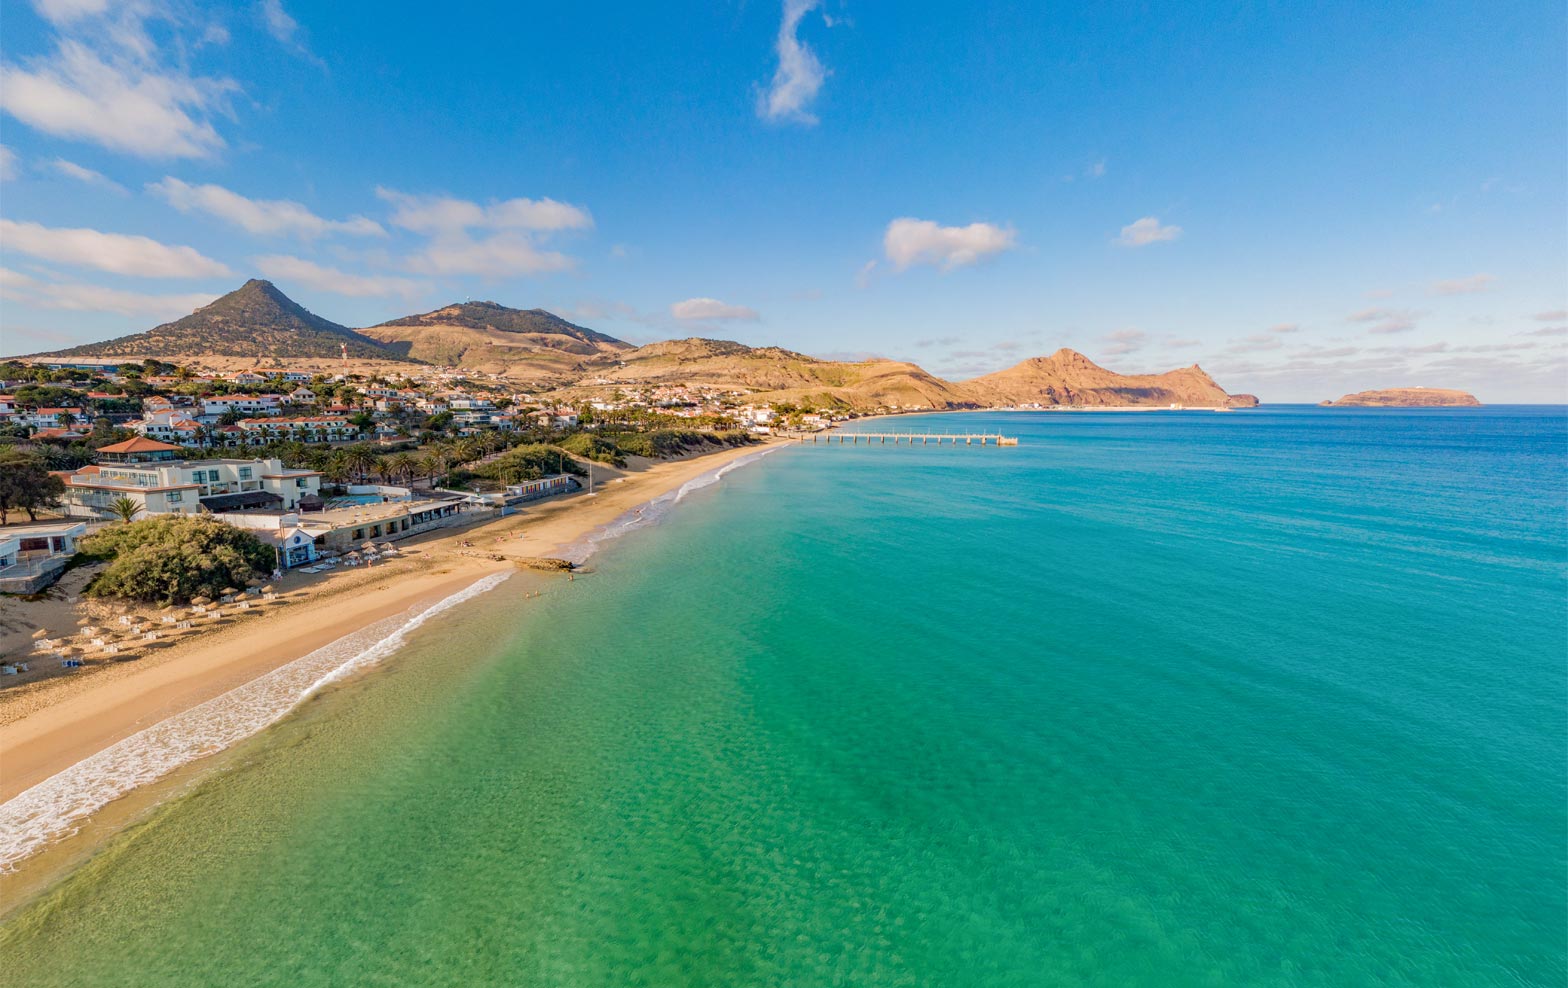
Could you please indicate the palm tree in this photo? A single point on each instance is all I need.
(436, 461)
(360, 459)
(403, 465)
(467, 449)
(124, 508)
(335, 469)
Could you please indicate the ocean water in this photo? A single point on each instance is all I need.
(1265, 698)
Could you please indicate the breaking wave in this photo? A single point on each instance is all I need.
(651, 511)
(55, 807)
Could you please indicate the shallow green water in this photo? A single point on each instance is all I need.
(1251, 699)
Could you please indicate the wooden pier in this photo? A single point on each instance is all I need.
(907, 438)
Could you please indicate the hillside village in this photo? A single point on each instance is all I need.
(316, 438)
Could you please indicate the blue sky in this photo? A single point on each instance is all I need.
(1305, 199)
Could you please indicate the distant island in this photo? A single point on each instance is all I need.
(1408, 398)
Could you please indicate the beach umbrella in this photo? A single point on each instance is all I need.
(231, 590)
(40, 632)
(201, 601)
(269, 588)
(388, 547)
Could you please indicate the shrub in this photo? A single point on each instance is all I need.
(596, 448)
(173, 558)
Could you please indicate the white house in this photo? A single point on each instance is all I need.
(247, 405)
(152, 475)
(305, 429)
(22, 545)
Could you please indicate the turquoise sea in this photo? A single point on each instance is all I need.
(1264, 698)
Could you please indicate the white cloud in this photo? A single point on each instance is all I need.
(279, 24)
(497, 256)
(442, 214)
(75, 297)
(1096, 170)
(910, 241)
(1556, 315)
(1125, 341)
(117, 253)
(123, 102)
(86, 176)
(512, 248)
(62, 12)
(1284, 328)
(268, 217)
(285, 29)
(7, 163)
(800, 73)
(710, 309)
(321, 278)
(1256, 343)
(863, 276)
(1463, 286)
(1385, 321)
(1142, 233)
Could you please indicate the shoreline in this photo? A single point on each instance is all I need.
(58, 723)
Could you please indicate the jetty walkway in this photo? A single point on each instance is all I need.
(909, 438)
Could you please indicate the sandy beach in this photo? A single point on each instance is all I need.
(51, 724)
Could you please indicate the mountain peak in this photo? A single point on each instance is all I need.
(494, 317)
(254, 320)
(1067, 377)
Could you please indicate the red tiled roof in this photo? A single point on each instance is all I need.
(138, 445)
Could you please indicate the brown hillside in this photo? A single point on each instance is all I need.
(1067, 377)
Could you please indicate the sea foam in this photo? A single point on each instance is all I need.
(55, 808)
(651, 511)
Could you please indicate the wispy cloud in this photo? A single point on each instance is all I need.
(515, 228)
(910, 241)
(116, 253)
(1142, 233)
(799, 75)
(1556, 315)
(1256, 343)
(1386, 321)
(1124, 341)
(711, 310)
(444, 214)
(1463, 286)
(107, 82)
(326, 279)
(498, 256)
(74, 297)
(7, 163)
(87, 176)
(267, 217)
(284, 28)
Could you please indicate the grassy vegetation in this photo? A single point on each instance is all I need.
(171, 559)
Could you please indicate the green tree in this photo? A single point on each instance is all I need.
(26, 484)
(360, 459)
(172, 558)
(125, 509)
